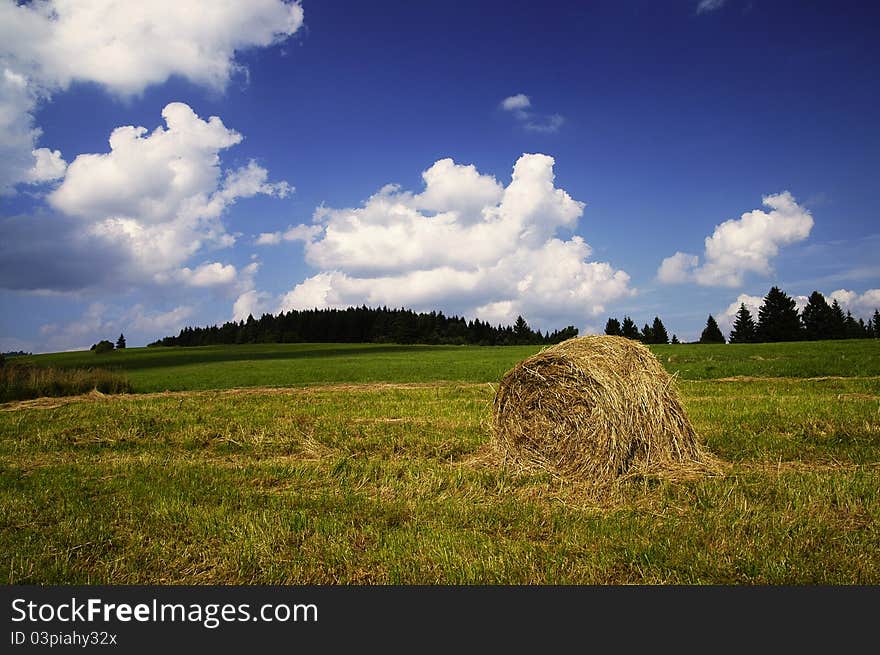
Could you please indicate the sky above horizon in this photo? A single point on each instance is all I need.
(183, 163)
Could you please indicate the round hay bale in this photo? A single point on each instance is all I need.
(595, 408)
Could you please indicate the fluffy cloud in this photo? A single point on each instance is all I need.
(519, 101)
(20, 161)
(743, 245)
(122, 46)
(476, 247)
(863, 305)
(146, 206)
(251, 302)
(127, 46)
(48, 165)
(678, 268)
(18, 134)
(520, 104)
(211, 274)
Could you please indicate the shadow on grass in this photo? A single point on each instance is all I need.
(180, 356)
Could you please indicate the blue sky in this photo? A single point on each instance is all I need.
(567, 161)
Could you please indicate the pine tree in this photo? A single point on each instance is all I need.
(778, 318)
(522, 332)
(647, 335)
(675, 339)
(659, 330)
(612, 327)
(876, 322)
(838, 322)
(852, 327)
(711, 333)
(120, 342)
(743, 326)
(628, 329)
(817, 318)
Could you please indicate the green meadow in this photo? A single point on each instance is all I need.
(353, 464)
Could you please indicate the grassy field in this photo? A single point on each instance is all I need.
(365, 464)
(283, 365)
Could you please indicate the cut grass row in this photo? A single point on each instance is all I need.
(386, 485)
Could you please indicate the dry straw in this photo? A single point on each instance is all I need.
(598, 409)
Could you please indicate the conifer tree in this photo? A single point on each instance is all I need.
(743, 326)
(522, 332)
(647, 335)
(876, 322)
(659, 331)
(852, 327)
(838, 321)
(675, 339)
(778, 318)
(120, 342)
(711, 333)
(817, 318)
(612, 327)
(628, 329)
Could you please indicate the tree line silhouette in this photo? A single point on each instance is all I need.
(778, 320)
(365, 325)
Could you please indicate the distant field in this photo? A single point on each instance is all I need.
(224, 367)
(376, 473)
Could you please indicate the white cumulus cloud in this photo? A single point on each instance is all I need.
(477, 248)
(48, 165)
(743, 245)
(861, 305)
(160, 196)
(122, 46)
(518, 101)
(252, 302)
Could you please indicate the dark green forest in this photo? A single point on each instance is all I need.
(365, 325)
(778, 319)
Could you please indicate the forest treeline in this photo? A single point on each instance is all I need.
(365, 325)
(778, 319)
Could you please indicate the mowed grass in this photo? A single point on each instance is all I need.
(256, 365)
(385, 481)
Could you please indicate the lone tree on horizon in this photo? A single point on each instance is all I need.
(120, 342)
(743, 326)
(711, 333)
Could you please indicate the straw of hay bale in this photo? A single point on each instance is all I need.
(597, 409)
